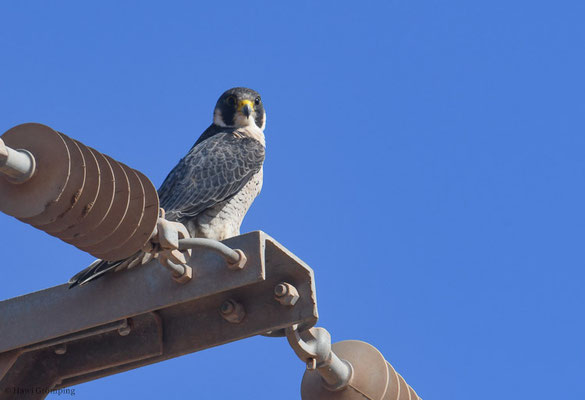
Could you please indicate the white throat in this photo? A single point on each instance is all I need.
(245, 126)
(254, 132)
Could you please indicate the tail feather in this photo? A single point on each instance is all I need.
(94, 271)
(100, 267)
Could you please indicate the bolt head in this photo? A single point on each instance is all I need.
(125, 331)
(187, 275)
(227, 307)
(241, 263)
(280, 290)
(286, 294)
(232, 311)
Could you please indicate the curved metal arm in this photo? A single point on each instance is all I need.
(235, 258)
(314, 347)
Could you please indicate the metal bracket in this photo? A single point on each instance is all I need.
(349, 370)
(111, 325)
(313, 346)
(171, 245)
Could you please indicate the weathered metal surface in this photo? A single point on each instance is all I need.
(61, 311)
(37, 370)
(73, 318)
(286, 294)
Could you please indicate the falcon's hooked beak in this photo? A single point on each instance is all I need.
(246, 107)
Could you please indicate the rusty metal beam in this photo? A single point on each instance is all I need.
(58, 337)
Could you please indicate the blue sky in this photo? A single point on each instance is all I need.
(425, 158)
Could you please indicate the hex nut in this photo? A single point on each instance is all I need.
(280, 290)
(241, 262)
(125, 329)
(286, 294)
(187, 275)
(61, 349)
(227, 307)
(232, 311)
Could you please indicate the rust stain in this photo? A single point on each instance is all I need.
(87, 209)
(75, 197)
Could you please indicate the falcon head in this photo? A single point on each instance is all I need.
(240, 107)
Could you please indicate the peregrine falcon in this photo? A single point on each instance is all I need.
(212, 187)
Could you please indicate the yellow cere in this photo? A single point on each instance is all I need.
(244, 102)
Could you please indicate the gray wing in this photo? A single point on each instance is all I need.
(210, 173)
(213, 170)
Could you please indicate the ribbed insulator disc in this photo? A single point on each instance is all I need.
(394, 387)
(115, 214)
(86, 199)
(94, 214)
(144, 229)
(373, 378)
(80, 195)
(72, 191)
(31, 198)
(127, 226)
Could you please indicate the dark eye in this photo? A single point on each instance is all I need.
(231, 100)
(257, 100)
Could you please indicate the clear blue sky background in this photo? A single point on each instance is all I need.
(425, 158)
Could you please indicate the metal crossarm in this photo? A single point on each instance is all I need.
(58, 337)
